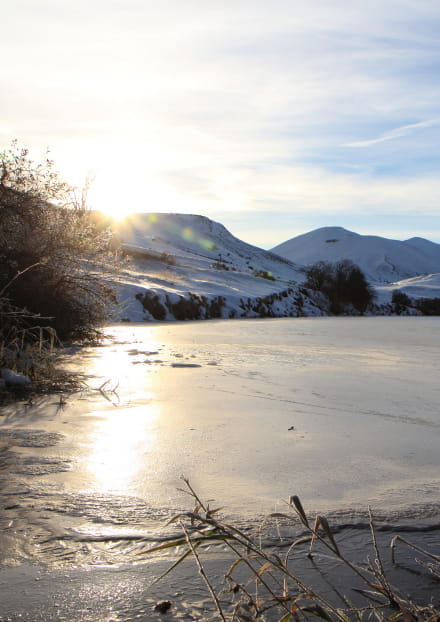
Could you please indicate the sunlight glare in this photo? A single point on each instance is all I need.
(119, 442)
(113, 196)
(123, 433)
(122, 366)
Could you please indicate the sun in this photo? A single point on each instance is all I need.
(111, 201)
(119, 200)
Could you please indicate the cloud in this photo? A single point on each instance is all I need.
(242, 107)
(398, 132)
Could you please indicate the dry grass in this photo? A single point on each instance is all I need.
(261, 584)
(32, 351)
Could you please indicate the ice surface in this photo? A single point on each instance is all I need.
(341, 411)
(362, 395)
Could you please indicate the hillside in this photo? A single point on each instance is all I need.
(381, 259)
(182, 266)
(412, 265)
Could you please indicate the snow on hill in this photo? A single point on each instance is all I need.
(429, 249)
(188, 267)
(424, 286)
(182, 266)
(412, 265)
(197, 240)
(381, 259)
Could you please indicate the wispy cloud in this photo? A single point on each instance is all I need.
(239, 106)
(397, 132)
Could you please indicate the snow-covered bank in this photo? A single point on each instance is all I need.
(183, 266)
(189, 267)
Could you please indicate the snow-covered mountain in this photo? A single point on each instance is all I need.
(381, 259)
(412, 265)
(183, 266)
(198, 241)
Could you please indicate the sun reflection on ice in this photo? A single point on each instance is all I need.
(121, 435)
(125, 366)
(119, 442)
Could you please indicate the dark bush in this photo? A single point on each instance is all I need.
(400, 300)
(151, 303)
(320, 276)
(428, 306)
(53, 253)
(215, 307)
(186, 308)
(220, 264)
(189, 307)
(343, 283)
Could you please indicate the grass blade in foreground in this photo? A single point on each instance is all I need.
(263, 585)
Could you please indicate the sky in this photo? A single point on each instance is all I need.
(274, 118)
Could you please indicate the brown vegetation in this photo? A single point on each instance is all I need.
(53, 256)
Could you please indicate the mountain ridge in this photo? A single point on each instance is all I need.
(185, 266)
(383, 260)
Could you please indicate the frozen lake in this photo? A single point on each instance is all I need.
(217, 401)
(343, 412)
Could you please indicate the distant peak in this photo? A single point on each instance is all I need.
(418, 239)
(333, 234)
(335, 230)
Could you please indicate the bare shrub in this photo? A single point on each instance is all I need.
(53, 253)
(343, 283)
